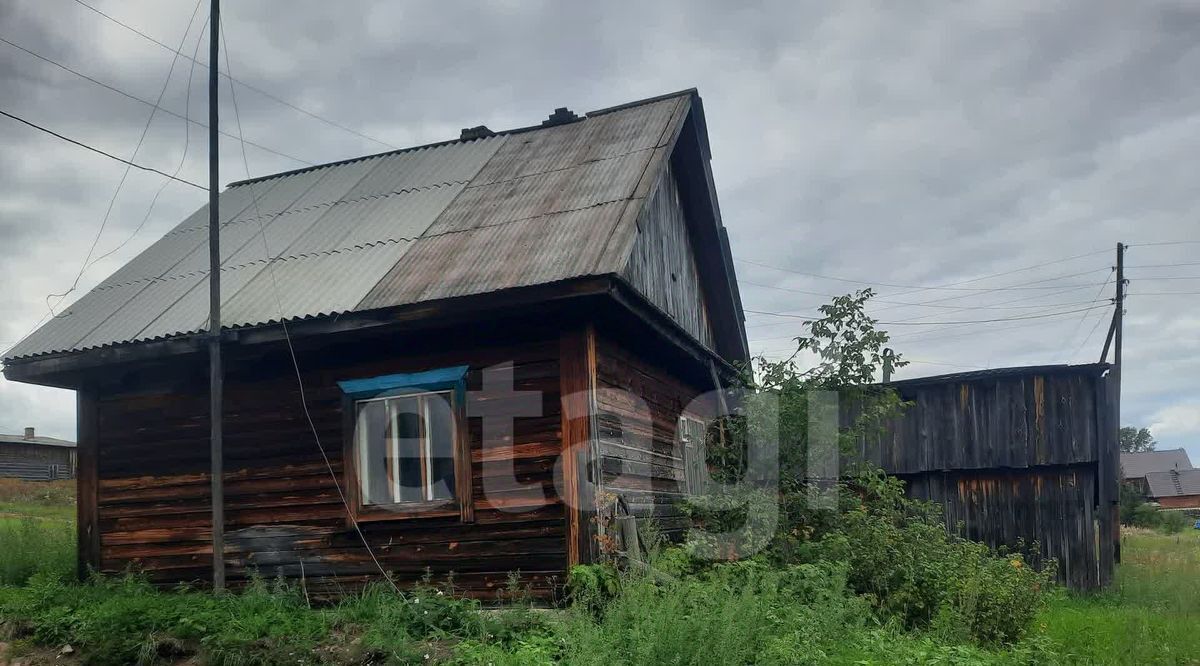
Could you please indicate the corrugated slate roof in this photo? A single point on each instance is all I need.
(1172, 484)
(531, 206)
(1137, 465)
(38, 440)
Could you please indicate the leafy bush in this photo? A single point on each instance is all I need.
(901, 558)
(1150, 516)
(1173, 522)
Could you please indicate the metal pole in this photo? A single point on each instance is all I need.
(215, 374)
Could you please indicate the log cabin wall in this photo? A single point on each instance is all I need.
(641, 457)
(40, 462)
(284, 513)
(1012, 456)
(40, 453)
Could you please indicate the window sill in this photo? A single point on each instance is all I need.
(375, 514)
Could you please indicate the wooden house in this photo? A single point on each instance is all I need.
(584, 254)
(1014, 456)
(1137, 466)
(33, 457)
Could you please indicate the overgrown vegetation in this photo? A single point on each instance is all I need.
(814, 569)
(1137, 512)
(37, 531)
(1149, 616)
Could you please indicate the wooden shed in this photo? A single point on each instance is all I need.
(32, 457)
(577, 256)
(1025, 454)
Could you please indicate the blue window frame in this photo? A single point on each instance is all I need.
(407, 444)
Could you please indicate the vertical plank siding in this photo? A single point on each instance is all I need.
(1048, 510)
(284, 511)
(1012, 456)
(1024, 421)
(662, 265)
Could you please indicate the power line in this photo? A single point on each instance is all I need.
(153, 105)
(1026, 297)
(97, 150)
(1172, 277)
(256, 89)
(916, 288)
(938, 323)
(1164, 293)
(1186, 263)
(1088, 338)
(1075, 331)
(902, 303)
(1012, 271)
(125, 175)
(187, 142)
(1037, 309)
(924, 336)
(1177, 242)
(1014, 300)
(1106, 301)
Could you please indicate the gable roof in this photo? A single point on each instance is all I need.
(529, 206)
(38, 440)
(1137, 465)
(1172, 484)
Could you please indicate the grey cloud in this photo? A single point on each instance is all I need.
(910, 143)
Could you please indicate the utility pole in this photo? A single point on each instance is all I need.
(1109, 461)
(1118, 330)
(889, 358)
(215, 372)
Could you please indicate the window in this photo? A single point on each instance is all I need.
(406, 448)
(691, 435)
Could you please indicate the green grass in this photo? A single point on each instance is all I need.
(37, 529)
(65, 514)
(747, 614)
(1150, 616)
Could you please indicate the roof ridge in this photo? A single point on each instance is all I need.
(438, 144)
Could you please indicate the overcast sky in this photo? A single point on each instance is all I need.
(899, 144)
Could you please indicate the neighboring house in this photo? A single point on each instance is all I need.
(1176, 489)
(573, 257)
(30, 456)
(1013, 455)
(1136, 466)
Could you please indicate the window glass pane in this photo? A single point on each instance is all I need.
(441, 445)
(406, 449)
(373, 453)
